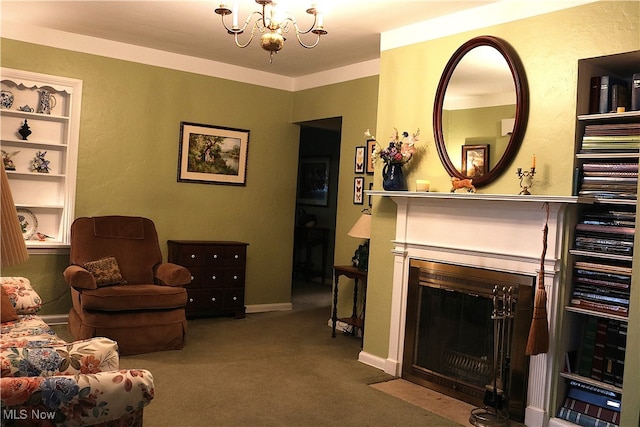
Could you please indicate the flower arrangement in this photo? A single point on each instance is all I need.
(400, 150)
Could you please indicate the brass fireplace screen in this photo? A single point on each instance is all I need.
(449, 338)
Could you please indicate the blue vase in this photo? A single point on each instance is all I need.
(393, 177)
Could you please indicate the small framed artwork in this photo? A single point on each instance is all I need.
(360, 159)
(475, 160)
(358, 190)
(371, 147)
(212, 154)
(313, 181)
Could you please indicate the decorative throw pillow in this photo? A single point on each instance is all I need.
(106, 271)
(7, 312)
(21, 294)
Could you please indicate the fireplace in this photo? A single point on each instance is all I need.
(450, 340)
(500, 233)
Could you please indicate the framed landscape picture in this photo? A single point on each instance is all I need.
(212, 154)
(475, 160)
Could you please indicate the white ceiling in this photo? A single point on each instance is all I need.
(192, 28)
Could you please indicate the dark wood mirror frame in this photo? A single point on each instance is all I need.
(522, 107)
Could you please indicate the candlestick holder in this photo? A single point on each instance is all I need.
(526, 180)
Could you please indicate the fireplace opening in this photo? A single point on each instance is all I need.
(449, 339)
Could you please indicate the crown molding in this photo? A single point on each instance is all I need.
(117, 50)
(488, 15)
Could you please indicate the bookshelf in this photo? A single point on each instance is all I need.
(599, 355)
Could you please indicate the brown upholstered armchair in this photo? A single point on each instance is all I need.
(120, 287)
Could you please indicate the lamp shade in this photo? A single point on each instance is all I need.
(14, 250)
(362, 228)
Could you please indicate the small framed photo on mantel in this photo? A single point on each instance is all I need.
(212, 154)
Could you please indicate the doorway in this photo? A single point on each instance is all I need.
(316, 209)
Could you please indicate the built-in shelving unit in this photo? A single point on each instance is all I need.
(599, 295)
(45, 200)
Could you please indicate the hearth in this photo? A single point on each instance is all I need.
(449, 340)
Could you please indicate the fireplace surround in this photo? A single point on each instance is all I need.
(492, 232)
(450, 339)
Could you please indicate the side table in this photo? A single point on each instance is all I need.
(358, 276)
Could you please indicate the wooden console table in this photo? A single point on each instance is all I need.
(355, 321)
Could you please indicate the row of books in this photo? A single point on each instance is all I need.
(618, 137)
(602, 352)
(609, 92)
(606, 231)
(591, 406)
(604, 288)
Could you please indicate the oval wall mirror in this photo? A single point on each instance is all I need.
(481, 110)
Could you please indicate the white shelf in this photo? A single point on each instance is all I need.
(37, 175)
(50, 197)
(596, 313)
(610, 116)
(34, 144)
(34, 116)
(616, 257)
(608, 155)
(591, 381)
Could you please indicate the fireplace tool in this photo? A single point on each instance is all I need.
(494, 413)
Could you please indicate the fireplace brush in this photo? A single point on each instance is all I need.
(496, 397)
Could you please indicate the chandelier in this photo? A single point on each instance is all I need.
(271, 25)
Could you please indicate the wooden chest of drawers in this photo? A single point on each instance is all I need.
(218, 273)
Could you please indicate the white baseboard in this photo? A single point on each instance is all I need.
(371, 360)
(263, 308)
(55, 319)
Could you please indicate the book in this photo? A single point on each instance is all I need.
(595, 396)
(595, 411)
(611, 352)
(594, 95)
(585, 354)
(635, 92)
(597, 364)
(606, 91)
(620, 97)
(600, 307)
(582, 419)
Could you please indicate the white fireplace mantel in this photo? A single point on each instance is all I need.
(493, 231)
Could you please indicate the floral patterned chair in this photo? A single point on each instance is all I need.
(47, 381)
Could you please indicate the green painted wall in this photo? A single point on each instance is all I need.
(549, 47)
(128, 150)
(356, 101)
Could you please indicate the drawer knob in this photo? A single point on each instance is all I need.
(213, 299)
(192, 278)
(193, 256)
(213, 277)
(237, 256)
(215, 256)
(235, 298)
(190, 299)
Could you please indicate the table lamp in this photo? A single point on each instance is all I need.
(362, 230)
(13, 249)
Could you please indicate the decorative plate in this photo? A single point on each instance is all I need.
(28, 222)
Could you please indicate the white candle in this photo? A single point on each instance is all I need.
(234, 14)
(320, 20)
(423, 185)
